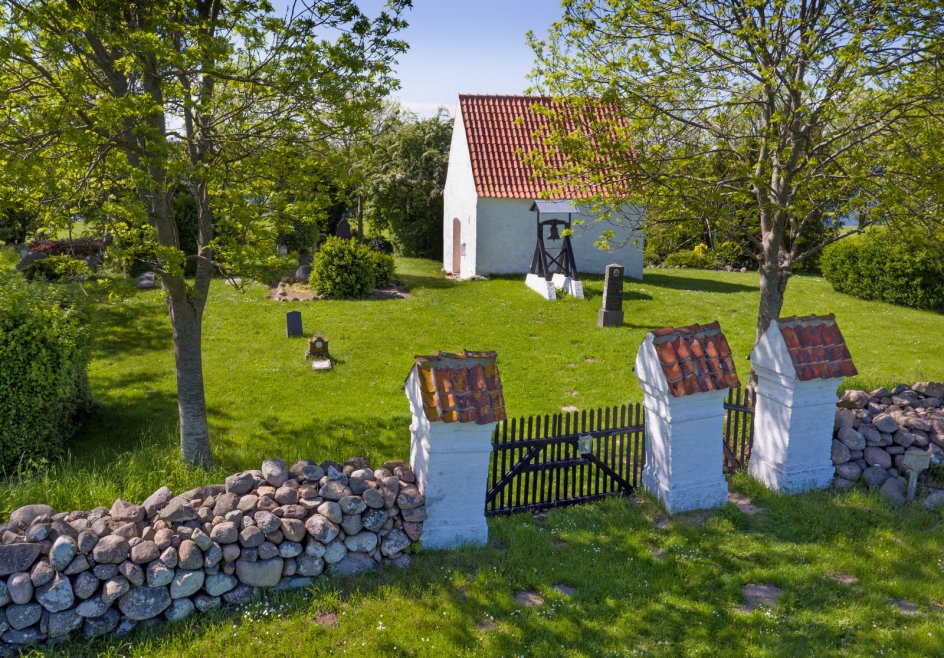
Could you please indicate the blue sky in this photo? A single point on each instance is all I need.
(471, 46)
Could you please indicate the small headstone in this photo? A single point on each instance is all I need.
(914, 462)
(303, 274)
(318, 352)
(611, 314)
(293, 324)
(282, 249)
(146, 281)
(344, 230)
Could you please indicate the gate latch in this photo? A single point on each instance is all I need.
(585, 443)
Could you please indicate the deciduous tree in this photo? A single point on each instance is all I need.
(792, 94)
(128, 101)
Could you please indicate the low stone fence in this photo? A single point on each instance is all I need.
(875, 429)
(105, 570)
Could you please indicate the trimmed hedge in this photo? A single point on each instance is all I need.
(879, 267)
(344, 269)
(43, 382)
(693, 259)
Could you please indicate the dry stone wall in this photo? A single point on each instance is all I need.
(874, 429)
(107, 570)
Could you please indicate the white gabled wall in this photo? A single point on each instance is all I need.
(506, 234)
(459, 199)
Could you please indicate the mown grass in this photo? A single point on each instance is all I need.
(640, 588)
(264, 400)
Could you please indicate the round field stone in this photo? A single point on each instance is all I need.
(56, 595)
(878, 457)
(261, 573)
(394, 542)
(225, 533)
(275, 471)
(321, 528)
(111, 550)
(363, 542)
(144, 552)
(97, 626)
(62, 552)
(17, 557)
(331, 511)
(20, 588)
(186, 583)
(144, 602)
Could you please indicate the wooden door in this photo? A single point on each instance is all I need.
(456, 245)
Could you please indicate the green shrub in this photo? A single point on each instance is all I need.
(55, 268)
(887, 267)
(43, 383)
(384, 268)
(380, 244)
(692, 259)
(344, 269)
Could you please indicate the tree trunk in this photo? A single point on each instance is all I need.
(773, 284)
(187, 323)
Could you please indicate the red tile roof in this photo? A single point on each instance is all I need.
(503, 130)
(695, 359)
(464, 388)
(816, 347)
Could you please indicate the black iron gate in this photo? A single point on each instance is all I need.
(564, 459)
(738, 428)
(547, 461)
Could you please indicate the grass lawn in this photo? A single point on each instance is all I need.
(264, 400)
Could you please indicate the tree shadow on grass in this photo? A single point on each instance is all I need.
(695, 285)
(378, 438)
(132, 327)
(419, 281)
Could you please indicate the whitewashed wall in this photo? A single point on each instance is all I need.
(506, 236)
(459, 199)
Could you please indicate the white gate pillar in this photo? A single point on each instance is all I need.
(684, 374)
(456, 401)
(800, 363)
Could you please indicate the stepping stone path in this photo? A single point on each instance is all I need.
(529, 598)
(756, 596)
(906, 606)
(845, 578)
(743, 503)
(566, 590)
(569, 409)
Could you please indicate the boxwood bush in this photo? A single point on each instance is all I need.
(693, 259)
(888, 268)
(344, 269)
(43, 382)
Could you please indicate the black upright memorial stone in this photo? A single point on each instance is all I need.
(293, 324)
(611, 315)
(344, 230)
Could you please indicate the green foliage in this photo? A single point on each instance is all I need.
(889, 268)
(380, 244)
(43, 382)
(54, 268)
(692, 259)
(344, 269)
(385, 268)
(405, 177)
(16, 225)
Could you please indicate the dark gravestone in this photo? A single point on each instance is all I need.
(343, 230)
(293, 324)
(611, 315)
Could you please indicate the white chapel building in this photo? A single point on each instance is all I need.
(488, 223)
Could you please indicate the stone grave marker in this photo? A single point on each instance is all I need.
(611, 314)
(914, 461)
(344, 230)
(293, 324)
